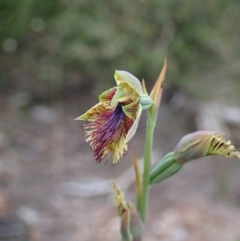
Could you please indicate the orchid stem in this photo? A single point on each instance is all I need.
(143, 202)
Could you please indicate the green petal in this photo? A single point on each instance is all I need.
(107, 95)
(134, 127)
(123, 76)
(119, 95)
(94, 112)
(131, 109)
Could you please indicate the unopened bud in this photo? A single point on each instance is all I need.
(165, 168)
(131, 223)
(201, 144)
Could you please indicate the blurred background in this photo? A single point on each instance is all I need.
(56, 57)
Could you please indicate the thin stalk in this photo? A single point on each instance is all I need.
(143, 203)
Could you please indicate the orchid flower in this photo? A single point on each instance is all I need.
(114, 120)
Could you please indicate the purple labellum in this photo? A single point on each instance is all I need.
(107, 131)
(110, 128)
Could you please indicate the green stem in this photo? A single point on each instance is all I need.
(143, 202)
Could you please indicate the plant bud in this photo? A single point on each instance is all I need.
(201, 144)
(131, 223)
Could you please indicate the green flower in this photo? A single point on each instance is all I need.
(114, 120)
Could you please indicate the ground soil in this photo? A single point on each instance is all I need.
(42, 148)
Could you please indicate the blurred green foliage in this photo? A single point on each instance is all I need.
(50, 44)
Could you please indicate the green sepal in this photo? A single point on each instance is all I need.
(123, 76)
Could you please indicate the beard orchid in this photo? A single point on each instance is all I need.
(114, 120)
